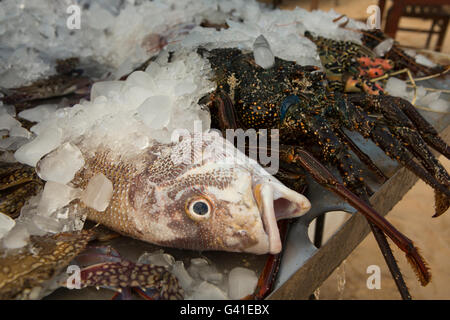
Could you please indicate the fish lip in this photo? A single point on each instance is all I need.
(277, 202)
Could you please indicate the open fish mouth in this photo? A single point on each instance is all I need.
(277, 202)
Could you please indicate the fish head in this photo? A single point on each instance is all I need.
(225, 202)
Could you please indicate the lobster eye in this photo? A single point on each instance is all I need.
(198, 209)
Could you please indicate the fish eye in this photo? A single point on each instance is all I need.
(198, 209)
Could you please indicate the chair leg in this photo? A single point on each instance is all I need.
(442, 33)
(430, 33)
(382, 5)
(393, 18)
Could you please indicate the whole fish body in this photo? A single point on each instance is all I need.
(225, 201)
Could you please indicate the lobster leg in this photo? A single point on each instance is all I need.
(355, 182)
(428, 133)
(361, 155)
(358, 120)
(299, 156)
(400, 125)
(332, 149)
(390, 261)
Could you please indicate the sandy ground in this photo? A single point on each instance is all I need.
(412, 215)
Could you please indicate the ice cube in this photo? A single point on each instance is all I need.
(55, 196)
(420, 92)
(98, 193)
(208, 291)
(99, 18)
(33, 151)
(61, 165)
(20, 132)
(7, 121)
(39, 113)
(16, 238)
(241, 282)
(439, 105)
(424, 61)
(135, 96)
(180, 272)
(157, 258)
(428, 99)
(48, 224)
(195, 267)
(396, 87)
(104, 88)
(12, 143)
(141, 79)
(262, 53)
(383, 47)
(6, 224)
(155, 111)
(201, 269)
(185, 87)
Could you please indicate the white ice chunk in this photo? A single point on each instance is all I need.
(383, 47)
(208, 291)
(185, 87)
(262, 53)
(180, 272)
(201, 269)
(39, 113)
(99, 18)
(98, 193)
(135, 96)
(428, 99)
(61, 165)
(396, 87)
(7, 121)
(241, 282)
(104, 88)
(195, 267)
(6, 224)
(55, 196)
(439, 105)
(48, 224)
(33, 151)
(12, 143)
(425, 61)
(141, 79)
(17, 237)
(155, 111)
(20, 132)
(157, 258)
(420, 92)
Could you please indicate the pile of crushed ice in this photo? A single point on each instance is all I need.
(116, 36)
(119, 35)
(283, 29)
(148, 106)
(202, 280)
